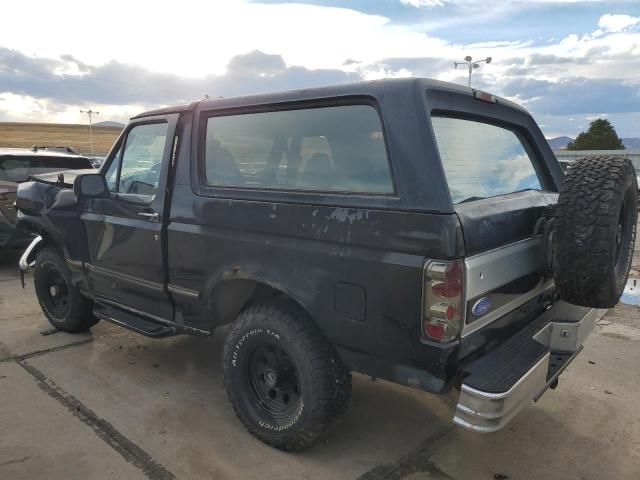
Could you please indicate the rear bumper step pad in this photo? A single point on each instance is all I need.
(520, 370)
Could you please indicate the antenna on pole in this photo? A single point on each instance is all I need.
(90, 113)
(470, 64)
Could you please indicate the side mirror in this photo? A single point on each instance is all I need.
(90, 185)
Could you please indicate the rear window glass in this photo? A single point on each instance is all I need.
(482, 160)
(339, 149)
(18, 169)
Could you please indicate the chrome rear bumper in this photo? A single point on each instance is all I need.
(489, 411)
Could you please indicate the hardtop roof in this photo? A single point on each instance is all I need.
(373, 88)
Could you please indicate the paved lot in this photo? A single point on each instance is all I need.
(111, 404)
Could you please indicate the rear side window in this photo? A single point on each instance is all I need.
(332, 149)
(481, 160)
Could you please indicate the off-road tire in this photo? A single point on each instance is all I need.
(324, 382)
(77, 316)
(594, 231)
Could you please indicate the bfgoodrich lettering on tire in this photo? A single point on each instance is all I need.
(283, 378)
(595, 230)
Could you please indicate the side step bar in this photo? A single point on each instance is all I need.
(520, 370)
(132, 322)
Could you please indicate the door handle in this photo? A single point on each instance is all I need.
(152, 217)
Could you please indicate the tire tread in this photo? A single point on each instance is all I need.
(585, 217)
(330, 380)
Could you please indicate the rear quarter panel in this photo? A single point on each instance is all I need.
(315, 254)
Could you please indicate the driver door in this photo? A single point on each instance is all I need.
(125, 231)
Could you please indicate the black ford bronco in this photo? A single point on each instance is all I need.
(412, 230)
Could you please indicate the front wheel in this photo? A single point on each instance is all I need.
(283, 378)
(61, 302)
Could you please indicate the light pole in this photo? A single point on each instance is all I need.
(90, 113)
(468, 61)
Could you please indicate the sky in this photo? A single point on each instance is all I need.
(566, 61)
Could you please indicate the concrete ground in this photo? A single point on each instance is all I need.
(112, 404)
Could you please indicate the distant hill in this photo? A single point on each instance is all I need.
(631, 143)
(560, 143)
(108, 123)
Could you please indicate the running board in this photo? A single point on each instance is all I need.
(144, 326)
(521, 369)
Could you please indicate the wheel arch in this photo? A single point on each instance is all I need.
(50, 237)
(229, 295)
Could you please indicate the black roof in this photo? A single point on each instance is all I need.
(374, 88)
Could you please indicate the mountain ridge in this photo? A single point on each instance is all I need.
(560, 143)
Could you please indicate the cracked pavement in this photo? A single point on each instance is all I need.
(113, 404)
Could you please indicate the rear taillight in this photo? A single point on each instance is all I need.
(442, 300)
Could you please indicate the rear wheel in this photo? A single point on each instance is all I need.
(283, 378)
(61, 302)
(594, 231)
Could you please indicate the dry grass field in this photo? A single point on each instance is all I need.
(26, 135)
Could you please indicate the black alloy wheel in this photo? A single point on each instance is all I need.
(274, 380)
(57, 291)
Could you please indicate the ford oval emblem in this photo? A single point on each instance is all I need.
(482, 306)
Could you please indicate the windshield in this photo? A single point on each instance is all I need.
(19, 169)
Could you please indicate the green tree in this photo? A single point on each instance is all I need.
(600, 136)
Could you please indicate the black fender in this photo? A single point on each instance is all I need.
(44, 228)
(228, 292)
(51, 211)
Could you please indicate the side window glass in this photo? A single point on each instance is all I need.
(233, 156)
(331, 149)
(141, 160)
(317, 168)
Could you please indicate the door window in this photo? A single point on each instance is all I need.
(136, 168)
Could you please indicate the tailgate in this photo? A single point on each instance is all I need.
(504, 262)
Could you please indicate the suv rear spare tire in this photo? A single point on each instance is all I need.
(594, 231)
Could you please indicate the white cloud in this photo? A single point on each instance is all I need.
(192, 47)
(617, 23)
(200, 38)
(423, 3)
(26, 108)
